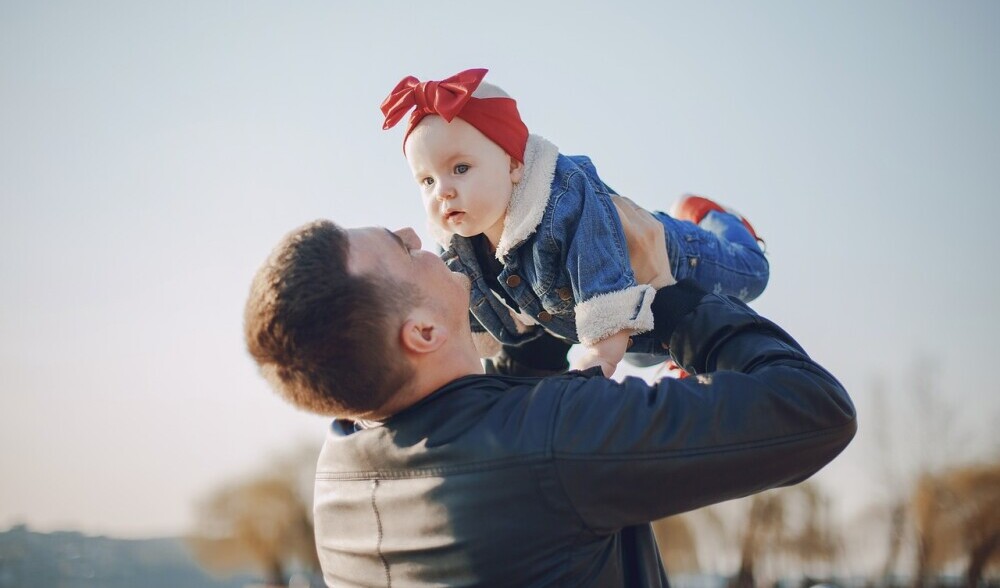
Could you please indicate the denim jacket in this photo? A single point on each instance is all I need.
(566, 264)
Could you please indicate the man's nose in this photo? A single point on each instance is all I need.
(409, 236)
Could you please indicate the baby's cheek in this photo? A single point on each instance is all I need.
(432, 215)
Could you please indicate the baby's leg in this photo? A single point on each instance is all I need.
(720, 252)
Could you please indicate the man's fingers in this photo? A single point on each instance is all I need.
(646, 243)
(632, 213)
(628, 211)
(624, 204)
(627, 200)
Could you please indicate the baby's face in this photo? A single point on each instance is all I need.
(465, 179)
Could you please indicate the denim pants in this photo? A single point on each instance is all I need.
(720, 254)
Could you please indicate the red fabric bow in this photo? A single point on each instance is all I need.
(445, 98)
(497, 118)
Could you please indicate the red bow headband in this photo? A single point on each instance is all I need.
(497, 118)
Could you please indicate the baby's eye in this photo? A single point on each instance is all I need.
(461, 168)
(427, 181)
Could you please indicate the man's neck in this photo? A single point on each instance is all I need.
(433, 372)
(443, 369)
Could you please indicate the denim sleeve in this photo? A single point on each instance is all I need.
(586, 227)
(590, 169)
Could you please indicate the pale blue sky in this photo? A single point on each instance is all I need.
(152, 153)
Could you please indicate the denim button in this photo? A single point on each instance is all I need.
(693, 261)
(564, 293)
(544, 316)
(513, 281)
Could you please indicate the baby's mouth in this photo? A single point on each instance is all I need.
(453, 215)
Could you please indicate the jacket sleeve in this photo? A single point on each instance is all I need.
(542, 356)
(762, 414)
(586, 227)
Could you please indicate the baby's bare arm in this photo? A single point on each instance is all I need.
(606, 353)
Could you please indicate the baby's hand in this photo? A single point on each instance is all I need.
(590, 360)
(606, 353)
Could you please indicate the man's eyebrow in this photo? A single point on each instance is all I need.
(398, 240)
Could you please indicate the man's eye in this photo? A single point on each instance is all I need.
(461, 168)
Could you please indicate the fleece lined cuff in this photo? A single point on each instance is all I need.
(672, 304)
(606, 314)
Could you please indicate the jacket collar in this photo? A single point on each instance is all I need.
(527, 202)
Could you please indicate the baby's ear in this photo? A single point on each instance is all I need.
(516, 170)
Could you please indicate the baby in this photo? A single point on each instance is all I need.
(537, 233)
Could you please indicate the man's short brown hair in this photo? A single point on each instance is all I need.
(321, 335)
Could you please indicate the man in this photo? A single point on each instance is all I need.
(434, 473)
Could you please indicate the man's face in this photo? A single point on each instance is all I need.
(465, 179)
(396, 255)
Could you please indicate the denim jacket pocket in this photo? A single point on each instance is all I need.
(558, 299)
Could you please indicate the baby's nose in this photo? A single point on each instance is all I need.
(445, 191)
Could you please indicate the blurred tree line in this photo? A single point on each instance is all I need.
(950, 518)
(262, 522)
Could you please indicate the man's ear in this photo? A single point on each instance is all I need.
(421, 334)
(516, 170)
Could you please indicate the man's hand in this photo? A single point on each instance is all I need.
(647, 246)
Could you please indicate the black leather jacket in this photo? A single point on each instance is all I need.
(506, 481)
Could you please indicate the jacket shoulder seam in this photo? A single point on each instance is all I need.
(469, 468)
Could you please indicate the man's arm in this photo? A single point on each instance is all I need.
(761, 415)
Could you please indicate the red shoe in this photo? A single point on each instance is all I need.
(694, 208)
